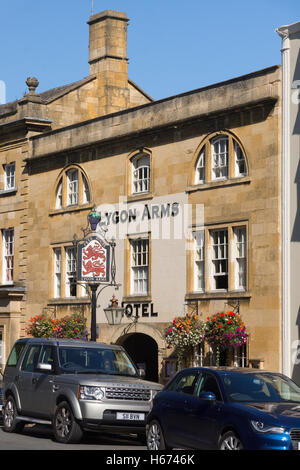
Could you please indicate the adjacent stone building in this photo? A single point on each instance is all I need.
(190, 187)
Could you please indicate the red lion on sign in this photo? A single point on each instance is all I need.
(93, 260)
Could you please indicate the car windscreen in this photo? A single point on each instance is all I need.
(262, 387)
(93, 360)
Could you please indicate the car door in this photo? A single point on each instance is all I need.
(43, 386)
(203, 416)
(25, 376)
(176, 419)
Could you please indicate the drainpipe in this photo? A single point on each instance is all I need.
(283, 32)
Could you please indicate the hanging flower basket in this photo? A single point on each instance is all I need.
(43, 326)
(183, 333)
(224, 330)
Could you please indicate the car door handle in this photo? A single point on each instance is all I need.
(34, 380)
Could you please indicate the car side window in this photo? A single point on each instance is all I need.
(185, 383)
(208, 383)
(47, 356)
(31, 358)
(15, 354)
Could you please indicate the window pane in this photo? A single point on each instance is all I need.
(9, 175)
(8, 255)
(199, 279)
(240, 257)
(71, 290)
(141, 174)
(240, 164)
(219, 158)
(72, 192)
(139, 266)
(58, 202)
(31, 358)
(219, 259)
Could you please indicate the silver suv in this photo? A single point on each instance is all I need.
(76, 386)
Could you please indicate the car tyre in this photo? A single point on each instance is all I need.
(154, 436)
(10, 413)
(66, 429)
(230, 441)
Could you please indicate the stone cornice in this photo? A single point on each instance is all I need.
(237, 94)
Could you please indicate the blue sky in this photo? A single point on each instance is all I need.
(173, 45)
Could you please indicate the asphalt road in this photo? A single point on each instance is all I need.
(40, 437)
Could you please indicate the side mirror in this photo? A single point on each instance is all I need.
(44, 367)
(207, 396)
(141, 373)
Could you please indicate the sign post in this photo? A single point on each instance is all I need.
(96, 265)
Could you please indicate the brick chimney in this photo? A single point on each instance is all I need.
(108, 59)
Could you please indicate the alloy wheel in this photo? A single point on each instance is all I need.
(230, 442)
(63, 422)
(9, 414)
(154, 437)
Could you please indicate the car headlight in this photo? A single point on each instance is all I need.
(259, 426)
(87, 392)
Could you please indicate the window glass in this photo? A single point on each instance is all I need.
(141, 174)
(47, 355)
(208, 383)
(200, 168)
(220, 157)
(15, 354)
(185, 383)
(31, 358)
(106, 361)
(140, 266)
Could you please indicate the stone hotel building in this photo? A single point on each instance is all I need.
(189, 186)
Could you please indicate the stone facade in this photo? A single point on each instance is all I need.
(97, 130)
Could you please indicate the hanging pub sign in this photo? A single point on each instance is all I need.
(93, 260)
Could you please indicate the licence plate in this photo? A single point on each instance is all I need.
(131, 416)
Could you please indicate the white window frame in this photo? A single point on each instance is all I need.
(140, 174)
(219, 258)
(72, 187)
(240, 258)
(9, 176)
(8, 239)
(239, 159)
(139, 266)
(70, 271)
(59, 193)
(86, 197)
(200, 168)
(57, 272)
(199, 260)
(219, 158)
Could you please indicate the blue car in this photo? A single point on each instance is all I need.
(226, 409)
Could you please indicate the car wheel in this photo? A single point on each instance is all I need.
(66, 429)
(10, 413)
(154, 436)
(230, 441)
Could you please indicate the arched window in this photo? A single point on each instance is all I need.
(220, 157)
(140, 173)
(72, 189)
